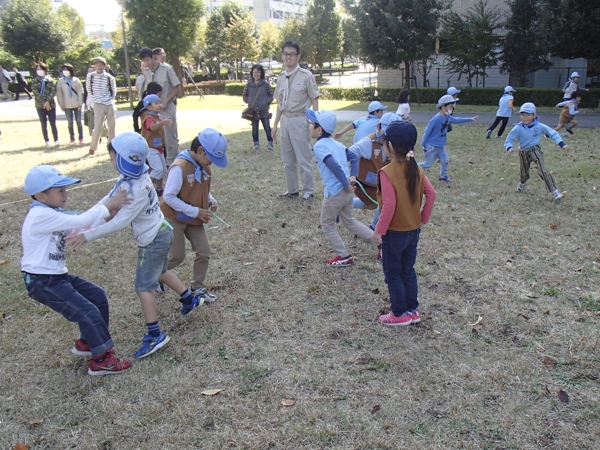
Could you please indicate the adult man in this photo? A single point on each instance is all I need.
(164, 75)
(4, 80)
(102, 89)
(296, 90)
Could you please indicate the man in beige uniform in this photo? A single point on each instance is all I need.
(296, 90)
(164, 75)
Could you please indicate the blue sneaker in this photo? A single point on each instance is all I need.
(196, 302)
(150, 344)
(446, 179)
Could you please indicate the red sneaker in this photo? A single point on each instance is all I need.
(416, 318)
(340, 261)
(394, 321)
(109, 365)
(81, 348)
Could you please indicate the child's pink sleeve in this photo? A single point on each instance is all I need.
(389, 203)
(429, 192)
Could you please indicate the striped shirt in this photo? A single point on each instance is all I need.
(97, 85)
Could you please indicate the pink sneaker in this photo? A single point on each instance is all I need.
(393, 321)
(416, 318)
(81, 348)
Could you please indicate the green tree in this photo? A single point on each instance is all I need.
(31, 30)
(269, 40)
(117, 58)
(350, 39)
(396, 32)
(172, 25)
(324, 32)
(472, 41)
(523, 27)
(215, 37)
(294, 30)
(242, 40)
(232, 10)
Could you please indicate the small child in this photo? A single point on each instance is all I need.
(401, 186)
(529, 133)
(567, 115)
(153, 235)
(188, 204)
(434, 137)
(45, 272)
(153, 88)
(504, 112)
(332, 160)
(454, 93)
(571, 86)
(365, 125)
(403, 101)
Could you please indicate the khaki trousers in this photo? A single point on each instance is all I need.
(341, 205)
(196, 234)
(296, 151)
(102, 111)
(171, 137)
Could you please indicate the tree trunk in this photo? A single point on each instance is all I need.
(406, 74)
(177, 68)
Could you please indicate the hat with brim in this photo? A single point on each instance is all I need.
(453, 91)
(528, 108)
(99, 59)
(402, 133)
(445, 100)
(326, 119)
(149, 99)
(44, 177)
(132, 151)
(375, 106)
(509, 89)
(215, 146)
(387, 119)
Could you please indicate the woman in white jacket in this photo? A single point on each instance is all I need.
(69, 94)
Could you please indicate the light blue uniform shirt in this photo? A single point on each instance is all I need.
(437, 128)
(530, 135)
(322, 148)
(365, 126)
(504, 110)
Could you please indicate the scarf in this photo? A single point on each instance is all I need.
(286, 87)
(200, 172)
(69, 81)
(43, 86)
(60, 210)
(122, 179)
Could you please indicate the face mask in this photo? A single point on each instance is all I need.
(66, 73)
(449, 110)
(40, 73)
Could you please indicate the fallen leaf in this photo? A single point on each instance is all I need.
(550, 362)
(248, 263)
(455, 413)
(21, 447)
(170, 404)
(477, 322)
(547, 312)
(375, 409)
(553, 226)
(563, 396)
(36, 422)
(474, 331)
(436, 332)
(211, 392)
(283, 225)
(579, 269)
(376, 291)
(523, 316)
(288, 402)
(4, 262)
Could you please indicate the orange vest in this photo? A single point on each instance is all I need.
(407, 216)
(191, 192)
(367, 166)
(154, 139)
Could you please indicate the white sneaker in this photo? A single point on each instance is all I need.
(520, 187)
(202, 292)
(47, 144)
(57, 143)
(557, 194)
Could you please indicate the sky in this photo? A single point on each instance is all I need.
(97, 13)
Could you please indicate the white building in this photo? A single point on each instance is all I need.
(275, 10)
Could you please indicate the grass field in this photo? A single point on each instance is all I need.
(509, 299)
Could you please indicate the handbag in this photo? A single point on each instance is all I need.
(248, 113)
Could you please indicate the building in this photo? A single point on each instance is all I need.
(277, 11)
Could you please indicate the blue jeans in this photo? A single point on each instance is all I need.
(357, 203)
(267, 126)
(436, 153)
(399, 253)
(45, 117)
(78, 300)
(70, 112)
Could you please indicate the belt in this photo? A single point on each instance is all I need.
(290, 115)
(165, 225)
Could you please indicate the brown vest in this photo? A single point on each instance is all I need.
(153, 137)
(407, 216)
(365, 167)
(191, 192)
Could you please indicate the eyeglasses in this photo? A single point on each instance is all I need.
(289, 54)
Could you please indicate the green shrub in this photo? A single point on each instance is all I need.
(235, 89)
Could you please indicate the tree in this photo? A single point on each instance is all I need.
(523, 26)
(242, 40)
(269, 40)
(172, 25)
(31, 30)
(294, 30)
(396, 32)
(472, 41)
(350, 42)
(324, 32)
(216, 43)
(231, 10)
(117, 59)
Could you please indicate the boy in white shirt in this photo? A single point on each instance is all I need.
(45, 272)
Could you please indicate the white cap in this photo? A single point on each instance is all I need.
(528, 108)
(452, 90)
(575, 75)
(508, 89)
(444, 100)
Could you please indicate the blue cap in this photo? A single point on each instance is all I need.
(388, 118)
(452, 90)
(149, 99)
(374, 106)
(45, 177)
(132, 151)
(528, 108)
(402, 133)
(508, 89)
(326, 119)
(215, 146)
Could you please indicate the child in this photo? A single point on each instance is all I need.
(332, 160)
(529, 132)
(365, 125)
(504, 112)
(154, 133)
(45, 272)
(401, 185)
(567, 116)
(153, 88)
(434, 137)
(187, 203)
(403, 101)
(128, 152)
(571, 86)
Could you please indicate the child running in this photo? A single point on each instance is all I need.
(434, 138)
(153, 235)
(529, 133)
(332, 160)
(401, 186)
(571, 86)
(567, 115)
(504, 112)
(45, 272)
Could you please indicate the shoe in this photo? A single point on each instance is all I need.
(270, 147)
(91, 152)
(379, 252)
(159, 192)
(340, 261)
(110, 365)
(56, 143)
(81, 141)
(196, 303)
(72, 141)
(150, 344)
(498, 137)
(47, 144)
(256, 147)
(81, 348)
(287, 194)
(488, 134)
(446, 179)
(416, 318)
(557, 194)
(568, 127)
(393, 321)
(563, 135)
(202, 292)
(308, 197)
(569, 131)
(520, 187)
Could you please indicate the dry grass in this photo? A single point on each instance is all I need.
(287, 327)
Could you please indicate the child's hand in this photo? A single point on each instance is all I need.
(204, 215)
(213, 206)
(167, 122)
(475, 118)
(118, 200)
(76, 241)
(567, 148)
(337, 135)
(352, 180)
(376, 238)
(510, 150)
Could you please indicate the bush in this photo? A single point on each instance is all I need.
(235, 89)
